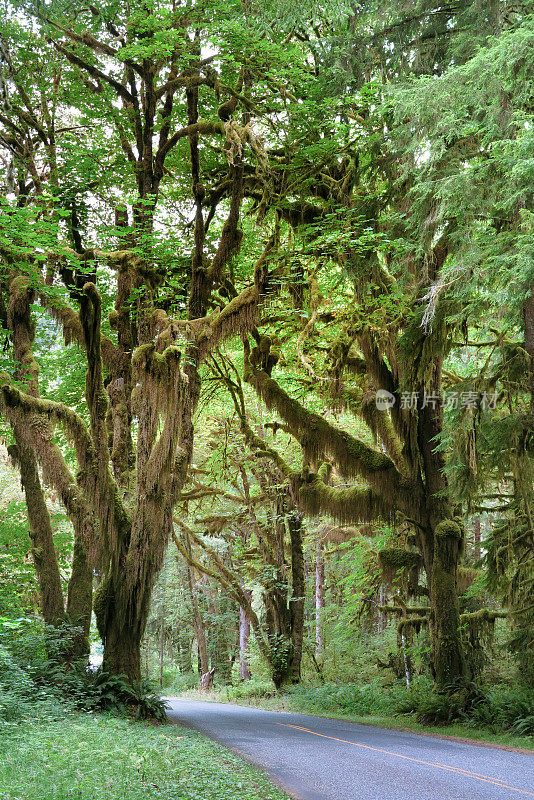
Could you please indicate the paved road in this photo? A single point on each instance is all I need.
(324, 759)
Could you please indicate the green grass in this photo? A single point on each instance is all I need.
(86, 757)
(375, 709)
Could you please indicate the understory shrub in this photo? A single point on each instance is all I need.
(251, 688)
(505, 707)
(184, 681)
(349, 698)
(498, 709)
(34, 666)
(91, 691)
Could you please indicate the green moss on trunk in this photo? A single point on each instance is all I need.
(447, 656)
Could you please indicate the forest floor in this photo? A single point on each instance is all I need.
(297, 703)
(99, 757)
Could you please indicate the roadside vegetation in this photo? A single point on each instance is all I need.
(51, 753)
(72, 733)
(501, 715)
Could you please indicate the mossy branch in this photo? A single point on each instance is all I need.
(394, 559)
(318, 437)
(351, 504)
(99, 487)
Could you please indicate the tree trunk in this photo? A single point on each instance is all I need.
(298, 595)
(447, 654)
(121, 625)
(381, 616)
(42, 540)
(476, 534)
(162, 635)
(199, 623)
(184, 652)
(161, 647)
(79, 599)
(528, 321)
(122, 651)
(319, 601)
(80, 594)
(441, 549)
(244, 634)
(220, 634)
(27, 371)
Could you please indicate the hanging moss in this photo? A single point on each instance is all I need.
(412, 624)
(353, 504)
(477, 633)
(393, 559)
(466, 576)
(424, 340)
(103, 606)
(340, 535)
(318, 438)
(237, 317)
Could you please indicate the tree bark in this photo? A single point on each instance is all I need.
(447, 656)
(319, 601)
(41, 536)
(122, 653)
(184, 652)
(298, 594)
(197, 618)
(80, 593)
(244, 635)
(80, 590)
(441, 547)
(476, 536)
(381, 616)
(528, 321)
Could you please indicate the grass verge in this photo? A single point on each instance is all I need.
(98, 757)
(298, 703)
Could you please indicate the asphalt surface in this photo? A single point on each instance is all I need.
(313, 758)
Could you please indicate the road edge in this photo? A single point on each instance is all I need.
(431, 734)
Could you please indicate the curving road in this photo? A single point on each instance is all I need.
(324, 759)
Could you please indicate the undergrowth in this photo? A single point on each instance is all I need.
(31, 671)
(86, 756)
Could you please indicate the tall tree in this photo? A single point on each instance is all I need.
(132, 90)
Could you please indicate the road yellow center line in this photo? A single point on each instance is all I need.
(464, 772)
